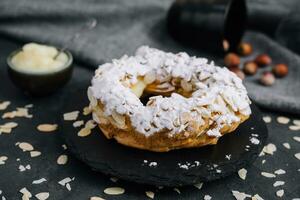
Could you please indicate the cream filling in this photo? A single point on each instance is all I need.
(37, 58)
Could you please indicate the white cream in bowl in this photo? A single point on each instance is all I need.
(37, 58)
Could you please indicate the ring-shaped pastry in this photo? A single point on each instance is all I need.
(190, 102)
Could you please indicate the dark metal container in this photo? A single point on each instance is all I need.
(213, 25)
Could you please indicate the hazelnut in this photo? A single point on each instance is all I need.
(238, 72)
(250, 68)
(280, 70)
(245, 49)
(263, 60)
(231, 59)
(267, 79)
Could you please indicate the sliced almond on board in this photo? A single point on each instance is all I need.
(71, 116)
(84, 132)
(150, 194)
(25, 146)
(47, 127)
(114, 191)
(62, 159)
(4, 105)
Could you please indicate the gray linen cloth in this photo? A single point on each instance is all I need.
(119, 27)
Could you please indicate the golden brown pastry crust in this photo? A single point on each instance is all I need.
(160, 141)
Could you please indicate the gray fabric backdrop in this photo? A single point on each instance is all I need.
(122, 26)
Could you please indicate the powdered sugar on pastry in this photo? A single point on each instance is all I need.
(216, 93)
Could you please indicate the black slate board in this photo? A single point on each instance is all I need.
(109, 157)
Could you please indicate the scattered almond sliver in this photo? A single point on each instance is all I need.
(242, 173)
(20, 112)
(26, 194)
(87, 110)
(297, 155)
(78, 123)
(294, 128)
(150, 194)
(269, 149)
(35, 153)
(296, 122)
(4, 105)
(114, 191)
(89, 125)
(62, 159)
(96, 198)
(278, 183)
(283, 120)
(199, 185)
(280, 193)
(47, 127)
(268, 175)
(257, 197)
(267, 119)
(84, 132)
(7, 127)
(3, 159)
(71, 116)
(296, 138)
(42, 195)
(240, 195)
(25, 146)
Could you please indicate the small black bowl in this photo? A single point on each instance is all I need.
(40, 84)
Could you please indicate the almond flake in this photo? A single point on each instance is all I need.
(267, 119)
(297, 155)
(26, 193)
(4, 105)
(28, 106)
(71, 116)
(20, 112)
(64, 147)
(294, 128)
(296, 138)
(78, 123)
(280, 193)
(283, 120)
(207, 197)
(35, 153)
(39, 181)
(42, 195)
(114, 191)
(68, 186)
(296, 122)
(47, 127)
(9, 125)
(269, 149)
(150, 194)
(90, 124)
(198, 185)
(84, 132)
(25, 146)
(278, 183)
(66, 180)
(62, 159)
(279, 172)
(3, 159)
(114, 179)
(240, 195)
(87, 110)
(287, 145)
(268, 175)
(242, 173)
(177, 190)
(257, 197)
(96, 198)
